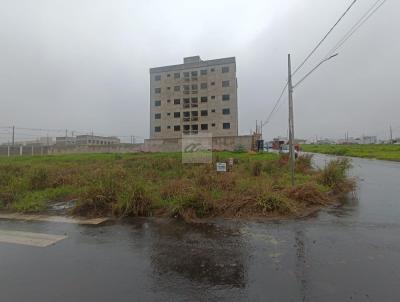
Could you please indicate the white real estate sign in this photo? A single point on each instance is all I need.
(221, 167)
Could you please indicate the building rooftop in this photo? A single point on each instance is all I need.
(193, 62)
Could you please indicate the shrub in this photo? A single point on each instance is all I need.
(309, 193)
(256, 169)
(273, 202)
(134, 200)
(334, 173)
(98, 197)
(39, 179)
(304, 163)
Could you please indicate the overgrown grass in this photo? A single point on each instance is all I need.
(159, 183)
(384, 152)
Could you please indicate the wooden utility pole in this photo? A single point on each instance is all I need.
(291, 121)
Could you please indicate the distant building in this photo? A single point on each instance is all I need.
(93, 140)
(326, 141)
(365, 140)
(194, 97)
(65, 141)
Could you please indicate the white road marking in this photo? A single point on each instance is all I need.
(19, 216)
(27, 238)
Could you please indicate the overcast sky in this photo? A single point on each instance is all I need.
(84, 64)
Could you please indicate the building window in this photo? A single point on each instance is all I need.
(157, 90)
(177, 75)
(168, 75)
(157, 77)
(157, 129)
(194, 87)
(226, 125)
(204, 113)
(186, 114)
(212, 110)
(226, 111)
(168, 101)
(212, 125)
(177, 88)
(225, 97)
(212, 69)
(186, 87)
(213, 97)
(225, 83)
(194, 100)
(177, 128)
(186, 101)
(177, 101)
(168, 127)
(194, 73)
(203, 72)
(186, 74)
(195, 127)
(204, 126)
(203, 85)
(157, 116)
(177, 114)
(169, 113)
(157, 103)
(195, 113)
(203, 99)
(168, 88)
(225, 69)
(212, 83)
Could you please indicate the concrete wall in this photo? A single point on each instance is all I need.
(222, 143)
(48, 150)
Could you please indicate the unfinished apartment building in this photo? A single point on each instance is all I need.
(193, 98)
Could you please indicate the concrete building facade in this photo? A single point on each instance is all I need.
(196, 97)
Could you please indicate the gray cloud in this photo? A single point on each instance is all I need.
(84, 64)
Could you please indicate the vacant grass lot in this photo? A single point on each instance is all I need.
(159, 184)
(384, 152)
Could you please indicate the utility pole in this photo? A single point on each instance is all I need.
(291, 120)
(391, 134)
(13, 135)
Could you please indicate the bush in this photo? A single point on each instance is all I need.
(273, 202)
(304, 163)
(39, 179)
(309, 193)
(134, 200)
(98, 197)
(335, 173)
(257, 168)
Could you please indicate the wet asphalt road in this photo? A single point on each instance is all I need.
(349, 253)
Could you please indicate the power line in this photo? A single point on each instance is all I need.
(312, 70)
(275, 106)
(324, 38)
(372, 10)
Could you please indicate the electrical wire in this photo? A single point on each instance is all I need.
(371, 11)
(275, 106)
(324, 38)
